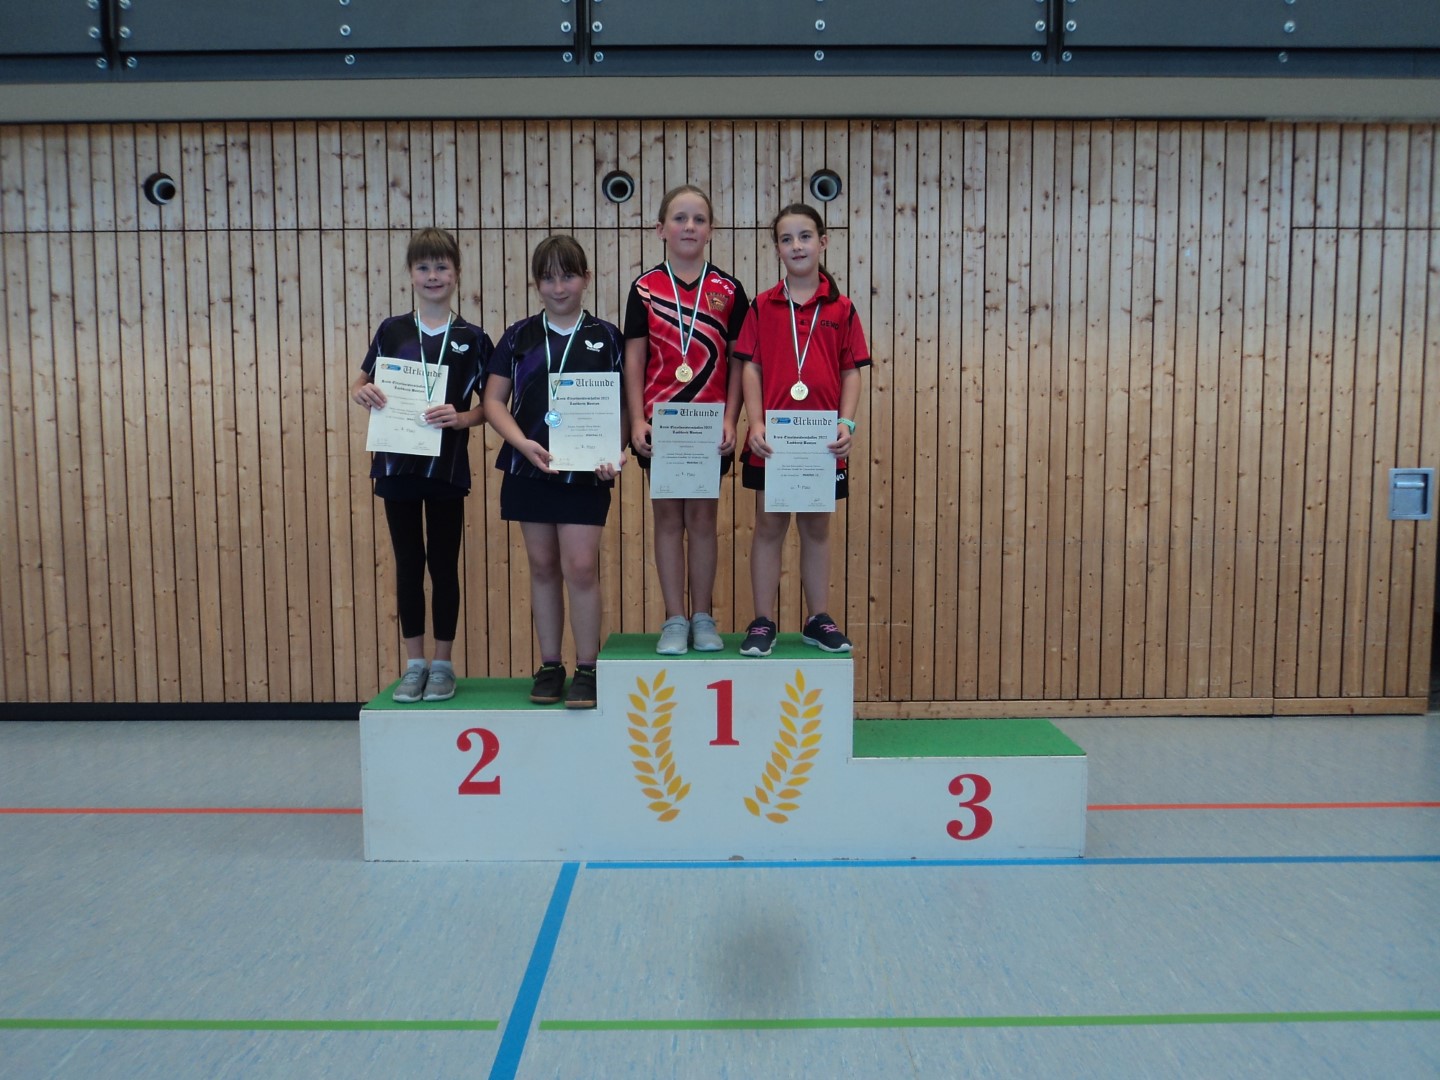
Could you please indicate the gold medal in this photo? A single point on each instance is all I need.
(684, 373)
(799, 391)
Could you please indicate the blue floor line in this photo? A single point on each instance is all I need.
(852, 864)
(522, 1013)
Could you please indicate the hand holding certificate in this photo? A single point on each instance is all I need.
(400, 427)
(584, 421)
(686, 461)
(800, 472)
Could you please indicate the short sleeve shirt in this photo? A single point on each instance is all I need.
(828, 321)
(466, 354)
(662, 313)
(522, 358)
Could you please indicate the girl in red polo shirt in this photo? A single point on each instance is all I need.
(680, 320)
(803, 347)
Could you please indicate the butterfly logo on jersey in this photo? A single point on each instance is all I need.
(457, 347)
(594, 346)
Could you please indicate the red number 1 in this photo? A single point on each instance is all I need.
(489, 750)
(979, 793)
(724, 713)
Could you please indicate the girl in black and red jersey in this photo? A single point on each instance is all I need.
(680, 320)
(802, 347)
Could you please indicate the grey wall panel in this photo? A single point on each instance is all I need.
(50, 27)
(816, 25)
(1252, 24)
(179, 26)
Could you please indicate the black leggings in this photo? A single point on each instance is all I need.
(445, 524)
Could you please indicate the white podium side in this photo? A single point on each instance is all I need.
(709, 756)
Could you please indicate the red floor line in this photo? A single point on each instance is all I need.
(1265, 806)
(179, 810)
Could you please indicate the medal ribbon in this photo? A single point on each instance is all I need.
(685, 338)
(545, 322)
(430, 383)
(795, 336)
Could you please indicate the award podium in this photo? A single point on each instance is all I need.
(707, 757)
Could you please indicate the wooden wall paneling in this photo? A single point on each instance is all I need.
(990, 431)
(469, 211)
(825, 146)
(72, 330)
(284, 471)
(1058, 424)
(367, 529)
(1073, 562)
(1407, 607)
(1316, 533)
(746, 244)
(1294, 553)
(905, 452)
(1117, 405)
(1327, 170)
(947, 238)
(1013, 532)
(219, 317)
(1210, 252)
(19, 547)
(419, 143)
(101, 171)
(445, 167)
(472, 657)
(1387, 579)
(1041, 347)
(1262, 405)
(1139, 462)
(861, 622)
(107, 430)
(313, 435)
(214, 178)
(1338, 494)
(1182, 490)
(309, 198)
(1161, 442)
(373, 180)
(515, 255)
(53, 174)
(1374, 183)
(196, 416)
(883, 497)
(80, 215)
(398, 193)
(285, 168)
(731, 594)
(160, 508)
(12, 182)
(1096, 360)
(355, 152)
(1425, 546)
(125, 184)
(191, 177)
(1230, 319)
(932, 637)
(495, 553)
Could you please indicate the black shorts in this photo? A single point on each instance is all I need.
(550, 502)
(753, 477)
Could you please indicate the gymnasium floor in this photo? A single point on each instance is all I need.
(230, 928)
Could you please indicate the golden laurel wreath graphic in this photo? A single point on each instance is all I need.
(654, 763)
(797, 742)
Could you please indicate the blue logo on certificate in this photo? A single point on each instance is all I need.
(783, 420)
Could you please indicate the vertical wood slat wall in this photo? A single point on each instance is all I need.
(1125, 447)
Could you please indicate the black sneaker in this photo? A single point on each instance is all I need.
(759, 638)
(549, 684)
(822, 632)
(582, 689)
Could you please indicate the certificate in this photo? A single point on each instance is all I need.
(686, 441)
(800, 474)
(584, 420)
(400, 427)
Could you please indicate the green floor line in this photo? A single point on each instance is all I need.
(40, 1024)
(825, 1023)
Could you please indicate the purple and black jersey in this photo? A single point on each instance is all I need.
(465, 358)
(521, 358)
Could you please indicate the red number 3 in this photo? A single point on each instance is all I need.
(489, 750)
(979, 793)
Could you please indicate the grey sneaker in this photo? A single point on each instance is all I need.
(674, 636)
(439, 685)
(410, 687)
(703, 634)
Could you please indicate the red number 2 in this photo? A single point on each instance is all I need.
(979, 793)
(489, 750)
